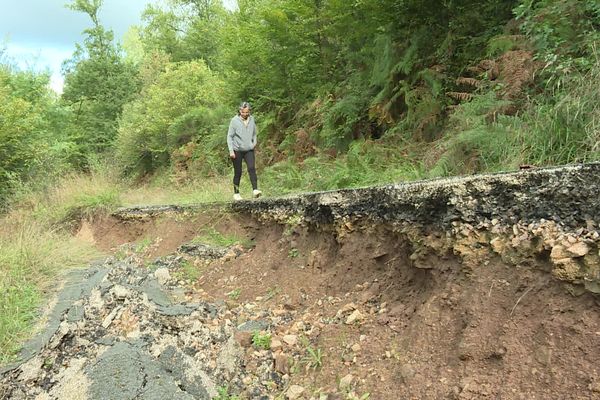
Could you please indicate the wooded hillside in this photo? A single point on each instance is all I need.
(345, 93)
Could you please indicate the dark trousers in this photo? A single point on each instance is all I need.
(247, 156)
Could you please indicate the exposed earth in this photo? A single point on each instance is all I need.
(262, 301)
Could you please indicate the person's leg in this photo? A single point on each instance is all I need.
(237, 171)
(249, 157)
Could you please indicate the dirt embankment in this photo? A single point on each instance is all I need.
(471, 288)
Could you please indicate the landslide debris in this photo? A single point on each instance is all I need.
(472, 288)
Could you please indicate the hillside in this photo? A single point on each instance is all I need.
(468, 288)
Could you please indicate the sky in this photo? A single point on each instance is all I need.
(39, 34)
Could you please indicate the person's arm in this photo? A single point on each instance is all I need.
(230, 134)
(254, 134)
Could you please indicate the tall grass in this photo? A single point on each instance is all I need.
(365, 163)
(31, 260)
(162, 191)
(36, 247)
(565, 128)
(555, 127)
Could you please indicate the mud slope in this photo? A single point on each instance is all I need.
(470, 288)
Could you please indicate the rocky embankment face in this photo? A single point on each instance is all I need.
(550, 214)
(466, 288)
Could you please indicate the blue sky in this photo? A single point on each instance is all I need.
(40, 34)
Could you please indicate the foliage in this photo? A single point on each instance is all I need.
(180, 106)
(98, 82)
(565, 33)
(223, 394)
(234, 294)
(210, 235)
(186, 30)
(32, 143)
(313, 358)
(188, 271)
(261, 340)
(550, 131)
(33, 254)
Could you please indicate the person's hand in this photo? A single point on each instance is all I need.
(232, 155)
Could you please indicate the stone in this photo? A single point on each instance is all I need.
(406, 372)
(347, 308)
(354, 317)
(579, 249)
(162, 275)
(244, 338)
(294, 392)
(253, 326)
(558, 252)
(291, 340)
(276, 344)
(356, 348)
(282, 363)
(346, 381)
(120, 292)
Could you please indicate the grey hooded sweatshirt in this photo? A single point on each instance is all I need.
(241, 137)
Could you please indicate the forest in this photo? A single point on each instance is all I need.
(376, 91)
(345, 93)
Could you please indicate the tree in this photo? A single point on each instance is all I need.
(32, 142)
(182, 104)
(98, 83)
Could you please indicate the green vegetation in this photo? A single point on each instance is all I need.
(261, 340)
(223, 394)
(313, 358)
(209, 235)
(293, 253)
(234, 294)
(188, 271)
(346, 94)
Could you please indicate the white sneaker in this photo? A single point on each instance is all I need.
(256, 193)
(237, 197)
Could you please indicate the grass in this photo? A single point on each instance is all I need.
(366, 163)
(36, 247)
(234, 294)
(162, 191)
(210, 235)
(74, 197)
(313, 359)
(31, 261)
(261, 340)
(293, 253)
(188, 271)
(551, 129)
(223, 394)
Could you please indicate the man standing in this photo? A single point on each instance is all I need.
(241, 140)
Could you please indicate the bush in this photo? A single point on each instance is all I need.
(180, 106)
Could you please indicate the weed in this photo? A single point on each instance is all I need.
(291, 223)
(272, 292)
(261, 340)
(293, 253)
(31, 258)
(234, 294)
(313, 358)
(188, 271)
(121, 254)
(211, 236)
(223, 394)
(142, 245)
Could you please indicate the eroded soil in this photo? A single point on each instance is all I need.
(351, 316)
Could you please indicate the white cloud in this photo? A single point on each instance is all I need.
(45, 59)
